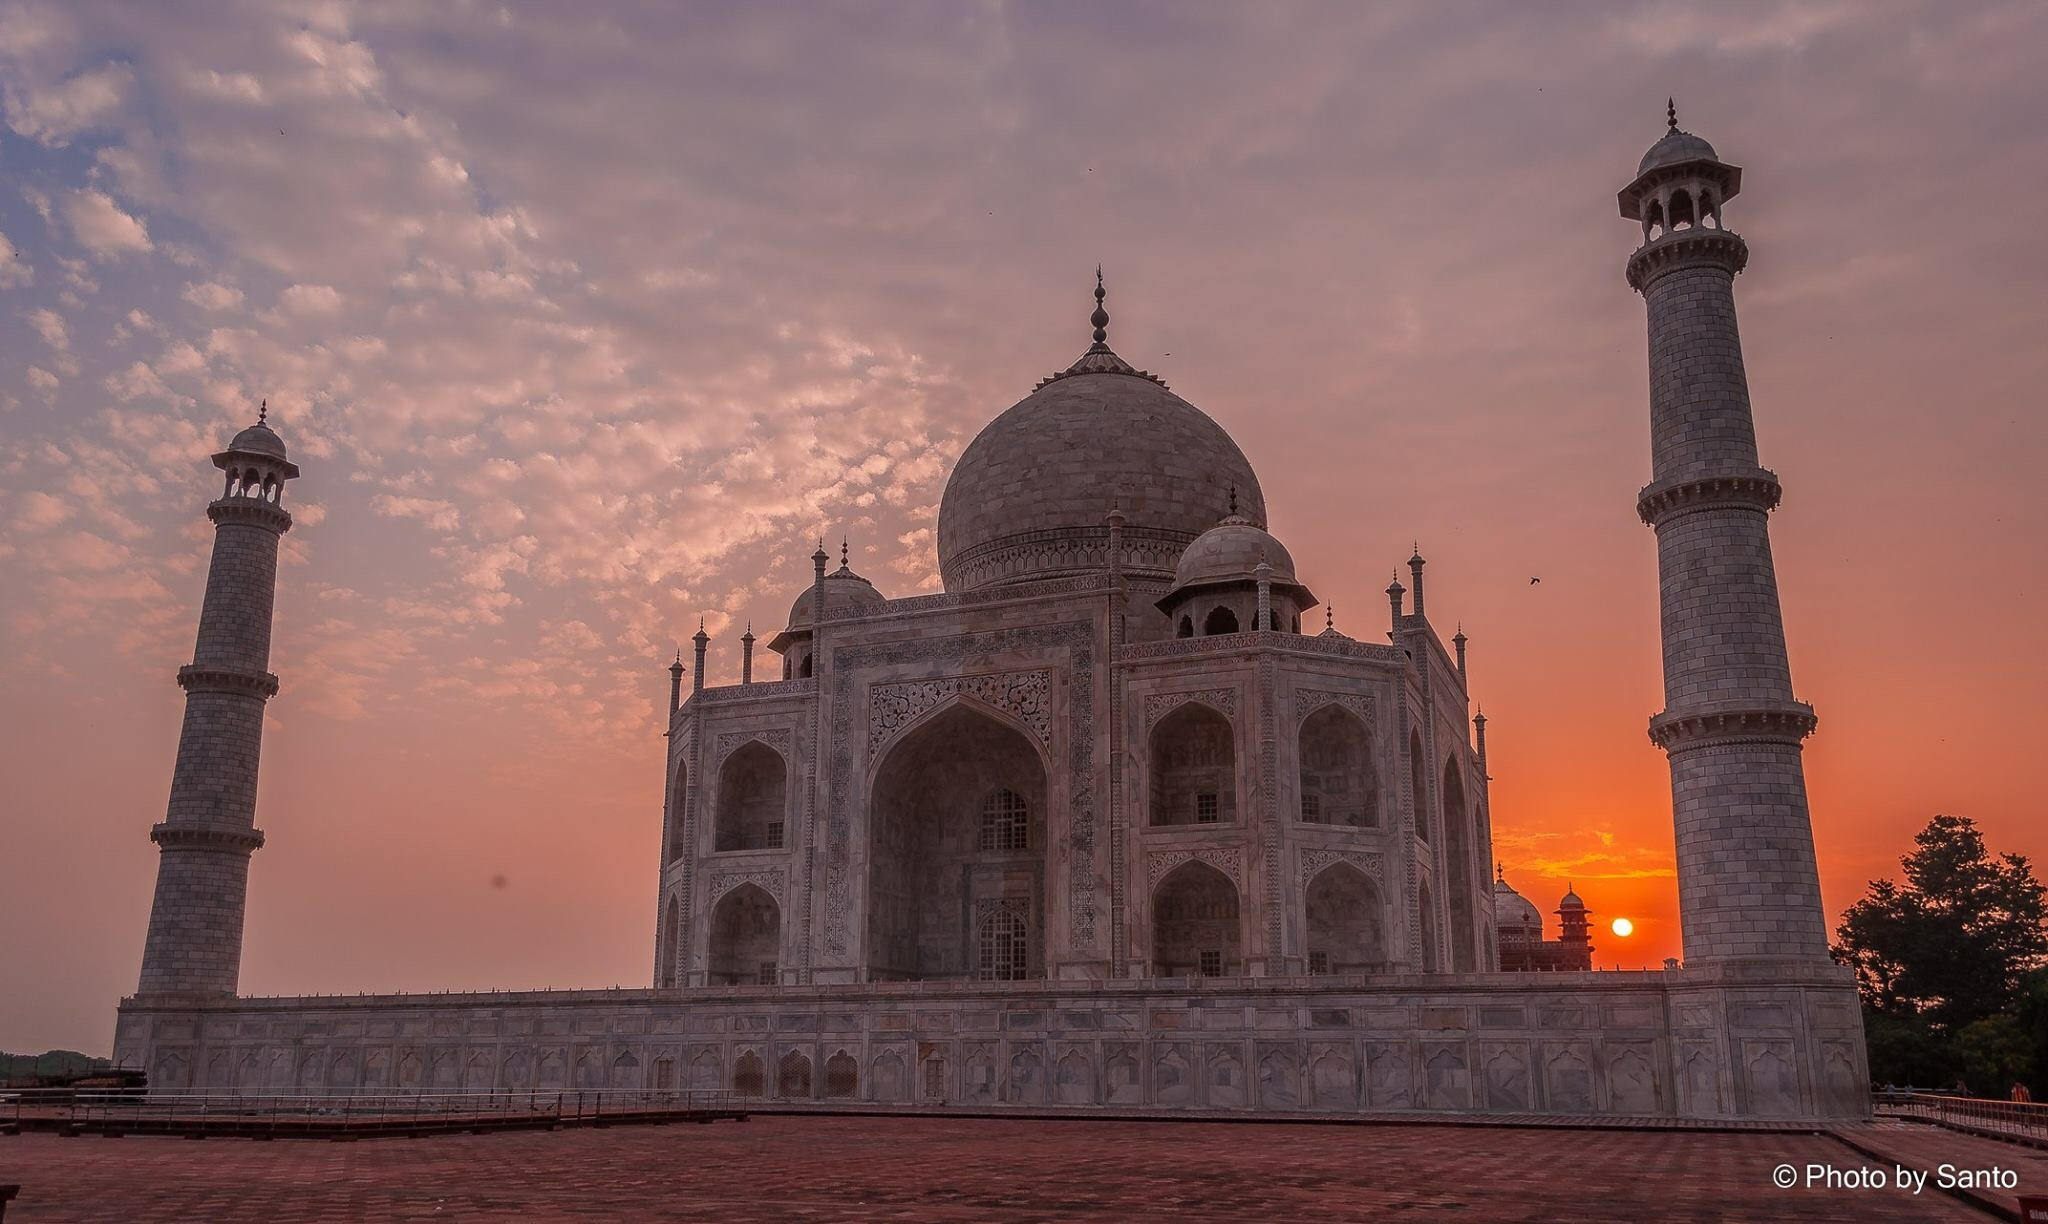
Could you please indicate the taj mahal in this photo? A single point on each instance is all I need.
(1118, 821)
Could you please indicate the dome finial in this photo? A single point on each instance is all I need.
(1330, 617)
(842, 552)
(1233, 499)
(1101, 316)
(263, 411)
(1671, 113)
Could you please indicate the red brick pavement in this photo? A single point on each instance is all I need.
(846, 1168)
(1925, 1147)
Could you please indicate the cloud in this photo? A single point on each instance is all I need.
(212, 296)
(56, 113)
(50, 326)
(15, 272)
(41, 379)
(310, 300)
(99, 225)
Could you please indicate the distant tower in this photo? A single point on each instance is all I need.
(1574, 932)
(1747, 886)
(195, 923)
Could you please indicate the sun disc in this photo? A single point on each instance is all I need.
(1623, 927)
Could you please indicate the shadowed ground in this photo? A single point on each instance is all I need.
(849, 1168)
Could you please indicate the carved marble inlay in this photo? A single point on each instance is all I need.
(1078, 639)
(1025, 694)
(777, 738)
(1313, 862)
(1227, 859)
(1308, 701)
(724, 882)
(1159, 705)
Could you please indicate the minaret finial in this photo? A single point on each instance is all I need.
(1671, 113)
(842, 553)
(263, 411)
(1330, 617)
(1101, 316)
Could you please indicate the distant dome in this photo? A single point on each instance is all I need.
(1230, 552)
(259, 439)
(1030, 494)
(1512, 910)
(1675, 147)
(1571, 900)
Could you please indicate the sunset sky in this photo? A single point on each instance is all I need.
(586, 320)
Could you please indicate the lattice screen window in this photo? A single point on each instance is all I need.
(934, 1079)
(1312, 809)
(1005, 947)
(773, 836)
(1208, 807)
(1318, 964)
(766, 975)
(1005, 821)
(1212, 962)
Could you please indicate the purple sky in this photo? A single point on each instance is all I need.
(585, 320)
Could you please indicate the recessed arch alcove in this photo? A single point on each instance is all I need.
(1345, 921)
(1457, 866)
(956, 850)
(752, 798)
(1195, 924)
(1193, 771)
(1339, 784)
(746, 938)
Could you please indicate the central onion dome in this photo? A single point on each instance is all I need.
(1029, 498)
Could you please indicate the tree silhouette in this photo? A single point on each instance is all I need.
(1947, 963)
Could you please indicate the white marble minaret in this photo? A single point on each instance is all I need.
(209, 830)
(1747, 887)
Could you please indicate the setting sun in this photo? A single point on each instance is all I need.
(1623, 927)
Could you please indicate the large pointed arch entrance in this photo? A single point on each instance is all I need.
(956, 852)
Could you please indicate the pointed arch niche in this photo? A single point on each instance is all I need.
(753, 787)
(1457, 867)
(1339, 784)
(956, 852)
(1196, 931)
(1193, 771)
(746, 938)
(1345, 922)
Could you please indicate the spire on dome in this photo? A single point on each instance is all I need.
(263, 412)
(1101, 316)
(1671, 113)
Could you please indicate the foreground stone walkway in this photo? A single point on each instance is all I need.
(843, 1168)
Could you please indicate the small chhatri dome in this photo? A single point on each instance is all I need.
(1675, 146)
(1024, 502)
(843, 589)
(1231, 552)
(260, 438)
(1571, 899)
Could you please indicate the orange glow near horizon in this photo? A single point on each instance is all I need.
(559, 390)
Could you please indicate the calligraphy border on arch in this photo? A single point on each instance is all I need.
(1079, 639)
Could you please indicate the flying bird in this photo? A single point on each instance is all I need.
(1535, 582)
